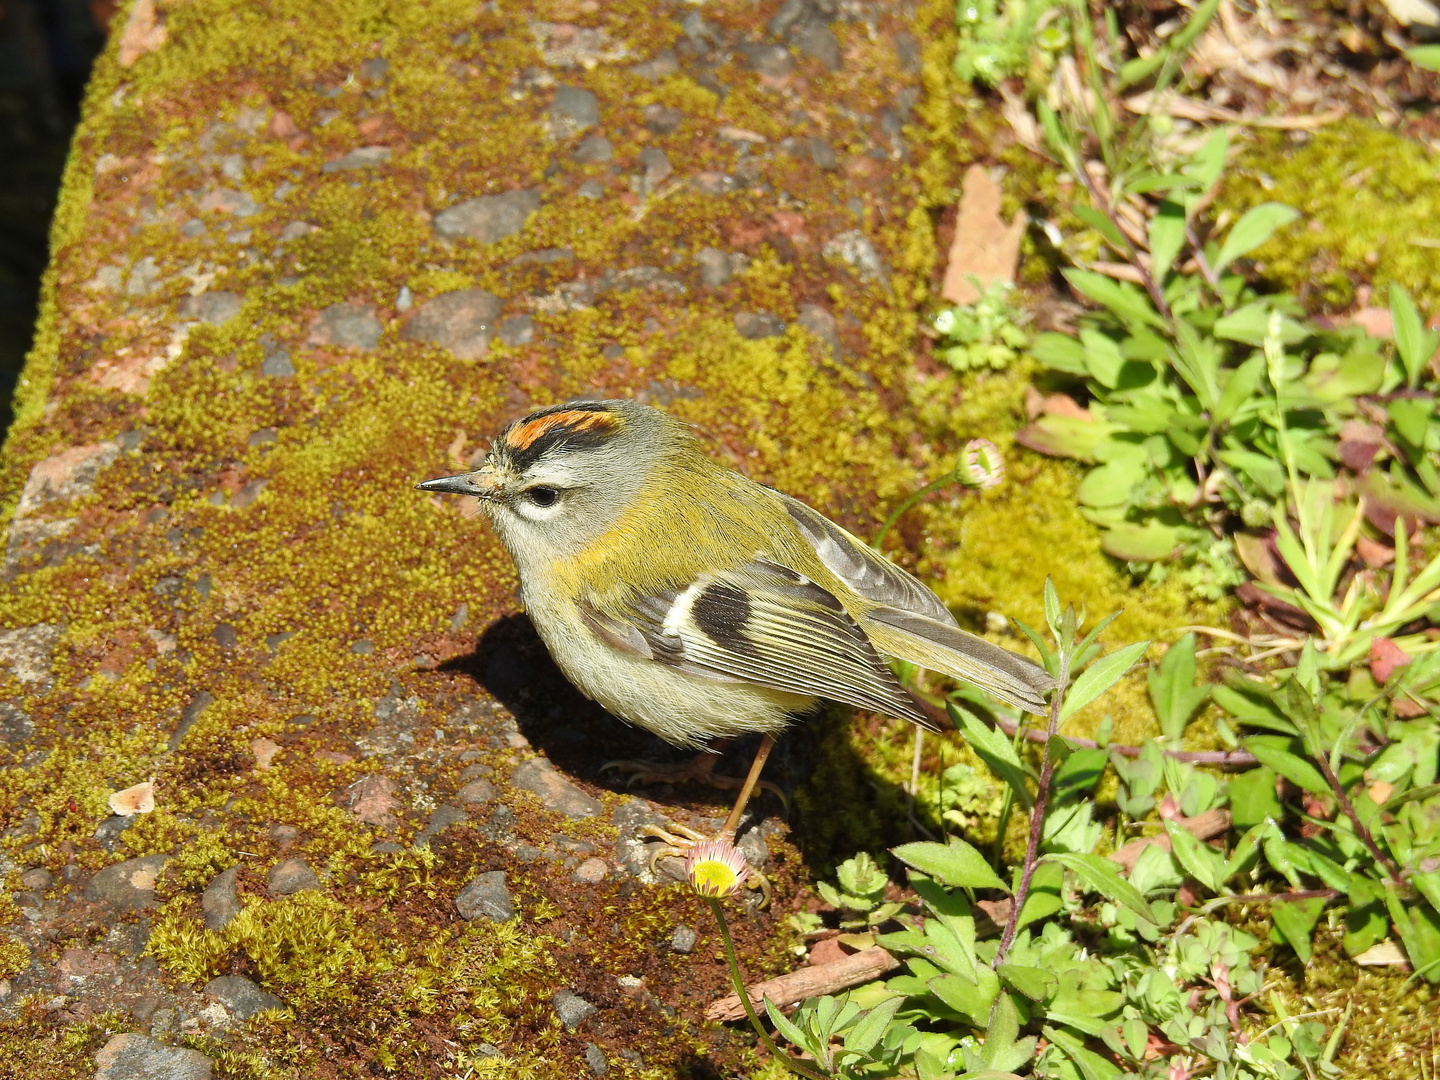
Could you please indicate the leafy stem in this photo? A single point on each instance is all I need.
(1037, 812)
(739, 983)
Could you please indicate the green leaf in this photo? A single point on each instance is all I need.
(1240, 387)
(1103, 876)
(1252, 798)
(1101, 224)
(1091, 1065)
(1043, 900)
(1424, 56)
(1250, 325)
(1200, 861)
(1065, 436)
(1411, 417)
(789, 1031)
(1034, 983)
(868, 1030)
(1103, 358)
(1257, 226)
(1142, 67)
(1100, 677)
(994, 749)
(1294, 768)
(1413, 341)
(1296, 919)
(1427, 883)
(1197, 360)
(1127, 303)
(1003, 1048)
(1167, 237)
(1059, 351)
(970, 999)
(956, 863)
(1152, 542)
(1172, 688)
(1112, 484)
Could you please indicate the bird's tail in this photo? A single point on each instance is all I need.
(951, 651)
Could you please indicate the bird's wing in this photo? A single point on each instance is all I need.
(946, 648)
(765, 624)
(863, 568)
(910, 622)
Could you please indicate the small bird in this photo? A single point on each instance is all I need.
(693, 602)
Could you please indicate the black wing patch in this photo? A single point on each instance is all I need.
(765, 624)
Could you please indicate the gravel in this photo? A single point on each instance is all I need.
(488, 218)
(241, 996)
(139, 1057)
(539, 776)
(292, 876)
(573, 111)
(128, 885)
(221, 899)
(215, 308)
(754, 325)
(593, 150)
(572, 1009)
(365, 157)
(461, 322)
(486, 897)
(350, 326)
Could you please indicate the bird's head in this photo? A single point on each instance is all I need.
(557, 479)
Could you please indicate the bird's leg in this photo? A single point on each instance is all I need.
(678, 840)
(732, 823)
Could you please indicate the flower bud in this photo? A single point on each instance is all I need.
(980, 465)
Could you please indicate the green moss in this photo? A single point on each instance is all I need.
(1371, 200)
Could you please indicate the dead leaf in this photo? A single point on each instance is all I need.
(1385, 657)
(1374, 553)
(138, 799)
(1385, 954)
(1204, 826)
(985, 247)
(143, 33)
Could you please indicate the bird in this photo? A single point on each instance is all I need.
(700, 605)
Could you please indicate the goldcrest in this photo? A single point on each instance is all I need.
(698, 604)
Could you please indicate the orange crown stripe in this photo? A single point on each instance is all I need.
(575, 419)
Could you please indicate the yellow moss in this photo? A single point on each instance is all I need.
(14, 956)
(1370, 202)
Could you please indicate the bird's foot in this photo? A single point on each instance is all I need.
(699, 850)
(698, 770)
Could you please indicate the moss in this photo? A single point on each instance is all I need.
(1370, 198)
(14, 956)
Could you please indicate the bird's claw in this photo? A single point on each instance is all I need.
(677, 841)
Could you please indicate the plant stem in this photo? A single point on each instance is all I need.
(1360, 830)
(909, 501)
(1037, 813)
(739, 984)
(1102, 203)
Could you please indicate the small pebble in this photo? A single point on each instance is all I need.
(138, 1057)
(486, 897)
(292, 876)
(683, 939)
(572, 1009)
(592, 871)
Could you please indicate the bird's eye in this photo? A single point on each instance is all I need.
(543, 496)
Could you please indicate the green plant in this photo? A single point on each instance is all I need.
(861, 892)
(988, 333)
(997, 39)
(1123, 963)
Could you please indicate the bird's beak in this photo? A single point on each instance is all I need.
(482, 483)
